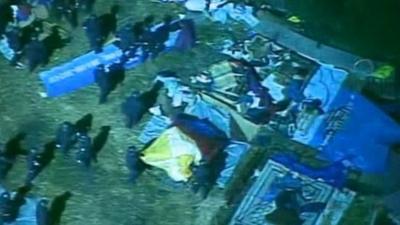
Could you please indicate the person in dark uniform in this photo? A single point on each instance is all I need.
(93, 33)
(36, 53)
(99, 141)
(84, 153)
(42, 212)
(103, 80)
(40, 160)
(54, 41)
(161, 35)
(206, 174)
(134, 163)
(136, 105)
(12, 206)
(108, 22)
(131, 44)
(65, 137)
(126, 38)
(148, 36)
(116, 72)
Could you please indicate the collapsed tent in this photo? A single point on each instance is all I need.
(78, 73)
(173, 152)
(207, 136)
(188, 141)
(177, 162)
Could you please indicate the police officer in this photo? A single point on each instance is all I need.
(11, 207)
(36, 53)
(37, 161)
(65, 136)
(42, 212)
(93, 33)
(104, 82)
(108, 22)
(84, 152)
(134, 163)
(99, 141)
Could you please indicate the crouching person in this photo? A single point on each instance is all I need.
(134, 163)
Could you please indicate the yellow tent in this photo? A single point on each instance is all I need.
(173, 152)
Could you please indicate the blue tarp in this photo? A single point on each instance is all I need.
(78, 73)
(366, 132)
(235, 151)
(334, 174)
(366, 135)
(154, 128)
(203, 110)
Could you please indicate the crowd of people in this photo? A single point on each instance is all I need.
(29, 36)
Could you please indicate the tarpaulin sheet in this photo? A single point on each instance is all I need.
(235, 151)
(78, 73)
(154, 128)
(365, 138)
(174, 152)
(203, 110)
(27, 214)
(325, 84)
(5, 49)
(334, 174)
(367, 131)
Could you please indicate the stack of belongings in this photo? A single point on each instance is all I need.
(192, 144)
(288, 192)
(264, 90)
(221, 10)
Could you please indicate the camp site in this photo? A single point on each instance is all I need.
(199, 112)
